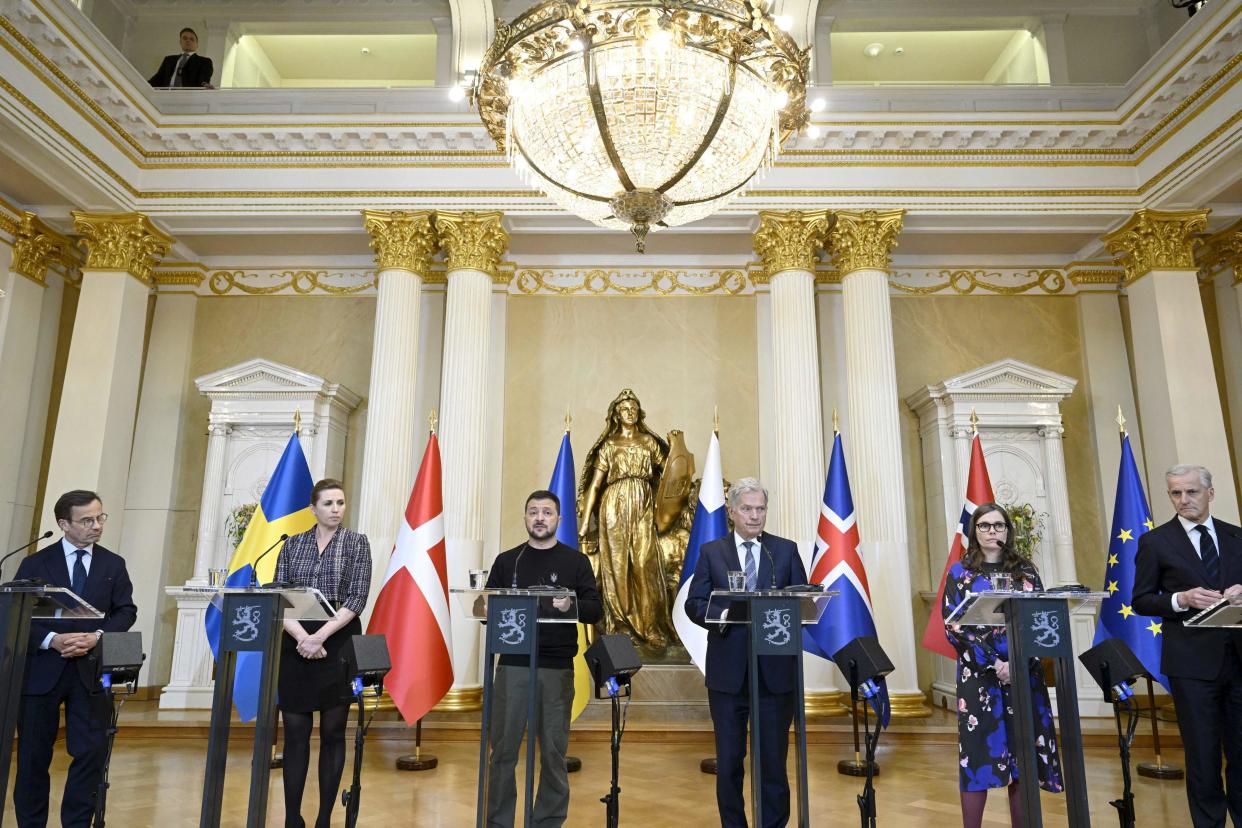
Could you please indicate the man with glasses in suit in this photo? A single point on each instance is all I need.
(61, 665)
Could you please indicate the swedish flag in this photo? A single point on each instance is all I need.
(284, 509)
(1131, 518)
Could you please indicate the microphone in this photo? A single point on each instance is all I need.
(254, 576)
(520, 553)
(44, 536)
(771, 561)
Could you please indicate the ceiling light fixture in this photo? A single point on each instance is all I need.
(642, 114)
(873, 50)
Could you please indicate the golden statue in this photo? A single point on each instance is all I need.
(633, 495)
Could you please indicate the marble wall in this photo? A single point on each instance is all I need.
(681, 355)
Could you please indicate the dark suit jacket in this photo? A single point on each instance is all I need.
(108, 589)
(195, 73)
(1166, 563)
(728, 653)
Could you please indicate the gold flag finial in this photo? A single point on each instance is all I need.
(836, 421)
(432, 419)
(974, 421)
(569, 421)
(297, 421)
(716, 419)
(1120, 421)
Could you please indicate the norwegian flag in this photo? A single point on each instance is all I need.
(837, 566)
(978, 491)
(412, 610)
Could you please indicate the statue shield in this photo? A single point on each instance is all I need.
(674, 489)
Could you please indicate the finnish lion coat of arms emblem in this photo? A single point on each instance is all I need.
(512, 626)
(776, 627)
(246, 623)
(1046, 629)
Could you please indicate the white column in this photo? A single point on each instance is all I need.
(1052, 34)
(152, 514)
(210, 519)
(403, 243)
(1107, 373)
(860, 244)
(473, 244)
(1179, 407)
(788, 243)
(22, 277)
(1058, 504)
(99, 400)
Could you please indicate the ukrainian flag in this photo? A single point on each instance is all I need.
(563, 487)
(284, 509)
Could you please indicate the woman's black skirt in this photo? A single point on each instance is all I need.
(309, 684)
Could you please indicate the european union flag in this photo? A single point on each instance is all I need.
(1131, 518)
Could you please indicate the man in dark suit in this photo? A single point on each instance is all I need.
(185, 69)
(1184, 566)
(767, 562)
(61, 665)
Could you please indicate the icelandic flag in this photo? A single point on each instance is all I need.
(566, 492)
(710, 523)
(1131, 518)
(284, 509)
(837, 566)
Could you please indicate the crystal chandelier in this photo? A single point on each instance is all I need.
(638, 113)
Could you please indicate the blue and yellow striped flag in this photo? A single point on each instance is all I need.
(563, 487)
(284, 509)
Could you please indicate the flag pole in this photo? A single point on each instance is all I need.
(417, 761)
(573, 764)
(708, 764)
(856, 766)
(1157, 769)
(278, 756)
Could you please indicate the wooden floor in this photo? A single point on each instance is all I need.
(157, 781)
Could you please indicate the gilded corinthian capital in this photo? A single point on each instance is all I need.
(401, 240)
(472, 241)
(121, 241)
(1224, 249)
(34, 245)
(790, 239)
(864, 239)
(1157, 240)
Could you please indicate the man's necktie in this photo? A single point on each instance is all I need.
(752, 574)
(176, 78)
(79, 573)
(1211, 558)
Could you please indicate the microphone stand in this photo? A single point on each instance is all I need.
(117, 699)
(26, 545)
(1124, 805)
(254, 570)
(352, 798)
(612, 802)
(866, 799)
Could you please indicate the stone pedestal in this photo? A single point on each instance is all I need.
(252, 412)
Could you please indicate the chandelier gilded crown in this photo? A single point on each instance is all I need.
(637, 113)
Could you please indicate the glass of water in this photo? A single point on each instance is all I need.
(478, 578)
(1001, 581)
(737, 581)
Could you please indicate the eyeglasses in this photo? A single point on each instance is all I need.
(997, 528)
(88, 522)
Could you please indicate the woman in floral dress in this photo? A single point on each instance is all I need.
(986, 749)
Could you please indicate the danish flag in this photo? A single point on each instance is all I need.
(412, 610)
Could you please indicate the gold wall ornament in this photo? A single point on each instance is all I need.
(35, 245)
(173, 278)
(471, 240)
(1224, 249)
(864, 239)
(1157, 240)
(790, 239)
(599, 282)
(302, 282)
(1048, 281)
(402, 239)
(121, 241)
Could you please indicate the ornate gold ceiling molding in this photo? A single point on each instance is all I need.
(472, 240)
(36, 246)
(1157, 240)
(864, 239)
(127, 242)
(291, 282)
(400, 239)
(630, 282)
(790, 239)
